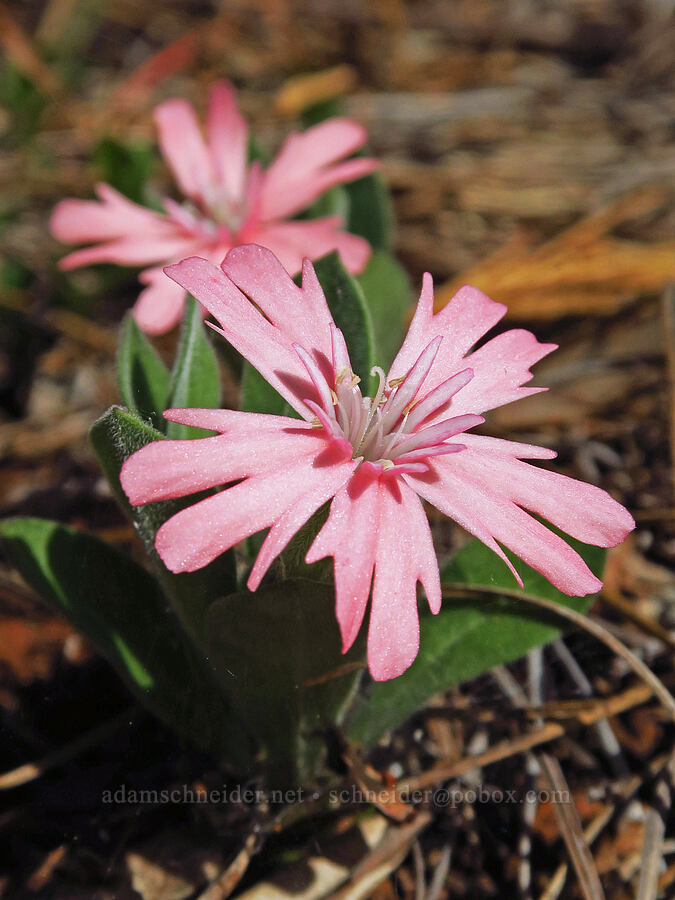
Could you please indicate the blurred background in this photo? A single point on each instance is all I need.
(530, 150)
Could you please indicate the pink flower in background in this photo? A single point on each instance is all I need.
(375, 459)
(227, 203)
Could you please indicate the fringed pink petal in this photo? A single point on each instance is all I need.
(195, 536)
(321, 484)
(305, 166)
(160, 305)
(291, 242)
(581, 510)
(300, 313)
(349, 536)
(265, 346)
(164, 470)
(508, 448)
(404, 556)
(465, 319)
(227, 139)
(235, 421)
(183, 148)
(88, 221)
(500, 368)
(487, 511)
(132, 251)
(363, 533)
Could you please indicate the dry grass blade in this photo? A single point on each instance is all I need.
(669, 323)
(440, 874)
(651, 856)
(386, 857)
(20, 50)
(627, 788)
(581, 271)
(644, 623)
(591, 831)
(314, 876)
(222, 886)
(420, 882)
(302, 91)
(564, 612)
(571, 830)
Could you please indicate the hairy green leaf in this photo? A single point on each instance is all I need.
(388, 294)
(194, 380)
(350, 313)
(122, 609)
(142, 377)
(277, 654)
(115, 436)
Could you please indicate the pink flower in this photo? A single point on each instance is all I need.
(376, 459)
(227, 203)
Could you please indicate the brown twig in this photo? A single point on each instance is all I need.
(603, 709)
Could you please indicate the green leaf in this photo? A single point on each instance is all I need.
(194, 380)
(126, 166)
(386, 288)
(258, 395)
(24, 102)
(320, 111)
(348, 308)
(350, 312)
(277, 653)
(142, 377)
(370, 211)
(122, 609)
(115, 436)
(333, 202)
(469, 636)
(258, 152)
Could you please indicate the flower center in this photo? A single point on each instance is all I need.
(361, 419)
(391, 429)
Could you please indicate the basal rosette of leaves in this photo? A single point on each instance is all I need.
(259, 677)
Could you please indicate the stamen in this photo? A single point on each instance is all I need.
(395, 436)
(376, 370)
(374, 407)
(408, 387)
